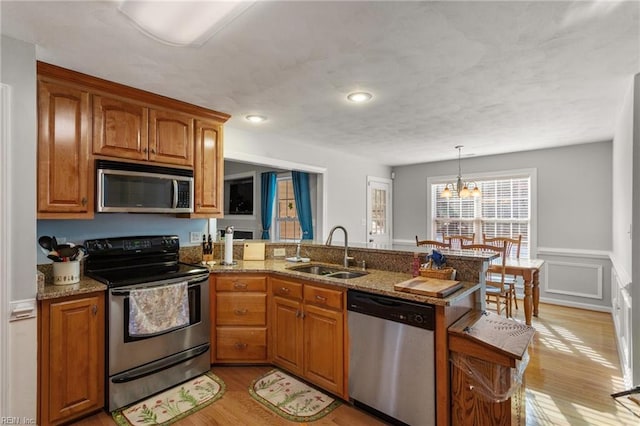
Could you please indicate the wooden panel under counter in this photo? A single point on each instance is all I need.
(494, 349)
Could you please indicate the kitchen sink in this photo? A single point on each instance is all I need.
(328, 271)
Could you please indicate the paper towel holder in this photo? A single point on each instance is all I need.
(227, 259)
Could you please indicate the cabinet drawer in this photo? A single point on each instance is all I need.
(248, 344)
(323, 297)
(241, 309)
(241, 283)
(286, 289)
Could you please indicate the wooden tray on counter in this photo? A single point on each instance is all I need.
(426, 286)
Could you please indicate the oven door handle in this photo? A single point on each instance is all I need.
(154, 367)
(190, 283)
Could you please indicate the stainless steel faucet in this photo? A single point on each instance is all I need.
(346, 244)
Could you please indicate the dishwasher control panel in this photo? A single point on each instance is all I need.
(393, 309)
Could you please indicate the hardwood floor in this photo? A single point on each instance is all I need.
(573, 370)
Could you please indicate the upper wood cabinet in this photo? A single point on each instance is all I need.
(208, 169)
(65, 171)
(81, 118)
(120, 128)
(135, 132)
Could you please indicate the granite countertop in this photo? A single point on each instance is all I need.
(86, 285)
(376, 281)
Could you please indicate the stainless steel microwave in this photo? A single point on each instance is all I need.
(142, 188)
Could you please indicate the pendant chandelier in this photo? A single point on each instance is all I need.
(462, 188)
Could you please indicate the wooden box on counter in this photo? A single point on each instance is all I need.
(488, 359)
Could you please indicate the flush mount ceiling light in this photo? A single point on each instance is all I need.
(359, 97)
(462, 188)
(179, 23)
(254, 118)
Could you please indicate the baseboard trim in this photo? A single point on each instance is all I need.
(568, 304)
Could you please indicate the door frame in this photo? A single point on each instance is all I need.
(389, 182)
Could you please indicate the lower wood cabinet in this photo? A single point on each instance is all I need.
(71, 357)
(239, 303)
(308, 332)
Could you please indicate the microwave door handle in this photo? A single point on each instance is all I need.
(175, 193)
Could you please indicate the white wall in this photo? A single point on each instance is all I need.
(625, 237)
(573, 213)
(346, 176)
(19, 72)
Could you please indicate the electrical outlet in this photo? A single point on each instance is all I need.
(195, 237)
(279, 252)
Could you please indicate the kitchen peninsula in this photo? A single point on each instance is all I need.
(252, 299)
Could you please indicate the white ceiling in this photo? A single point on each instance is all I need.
(493, 76)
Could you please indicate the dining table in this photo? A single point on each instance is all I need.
(529, 270)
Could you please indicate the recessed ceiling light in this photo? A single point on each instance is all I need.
(256, 118)
(359, 97)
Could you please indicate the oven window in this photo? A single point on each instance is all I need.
(195, 314)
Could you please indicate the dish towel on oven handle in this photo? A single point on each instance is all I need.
(158, 309)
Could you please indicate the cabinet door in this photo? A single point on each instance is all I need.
(120, 129)
(286, 329)
(65, 174)
(209, 169)
(170, 137)
(324, 348)
(75, 361)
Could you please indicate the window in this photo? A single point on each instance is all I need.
(287, 226)
(503, 209)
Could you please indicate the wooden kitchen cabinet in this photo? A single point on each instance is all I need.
(133, 131)
(82, 118)
(65, 172)
(71, 357)
(308, 333)
(241, 319)
(208, 169)
(170, 137)
(120, 128)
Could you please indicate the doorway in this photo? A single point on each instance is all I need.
(379, 202)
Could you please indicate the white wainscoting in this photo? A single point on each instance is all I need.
(573, 279)
(621, 313)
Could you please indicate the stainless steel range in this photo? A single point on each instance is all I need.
(158, 315)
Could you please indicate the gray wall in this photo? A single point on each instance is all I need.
(573, 213)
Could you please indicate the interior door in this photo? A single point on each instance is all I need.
(379, 210)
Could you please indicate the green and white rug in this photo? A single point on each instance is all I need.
(291, 398)
(173, 404)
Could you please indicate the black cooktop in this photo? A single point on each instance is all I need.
(122, 261)
(148, 274)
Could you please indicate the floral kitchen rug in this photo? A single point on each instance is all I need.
(291, 398)
(174, 404)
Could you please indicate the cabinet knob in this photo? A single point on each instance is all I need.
(284, 290)
(145, 150)
(240, 345)
(153, 151)
(320, 298)
(94, 310)
(240, 285)
(240, 311)
(84, 201)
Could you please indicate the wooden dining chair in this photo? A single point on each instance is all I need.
(432, 243)
(456, 241)
(513, 250)
(497, 292)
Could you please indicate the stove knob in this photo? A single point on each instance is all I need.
(107, 244)
(98, 245)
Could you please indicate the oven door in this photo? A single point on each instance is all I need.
(126, 352)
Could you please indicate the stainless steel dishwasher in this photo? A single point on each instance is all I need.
(391, 358)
